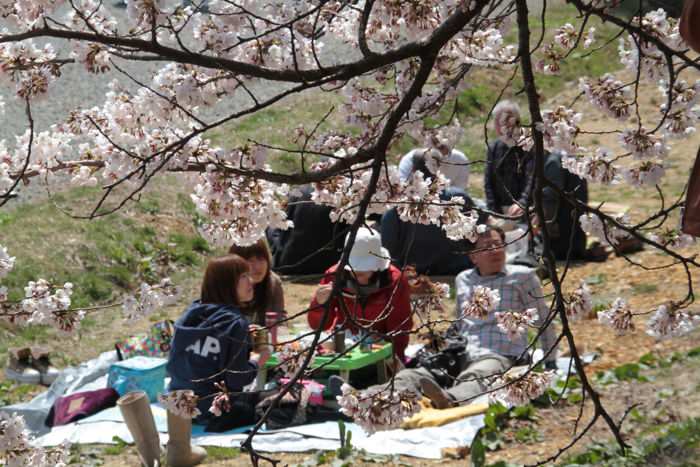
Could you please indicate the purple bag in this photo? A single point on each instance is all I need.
(68, 409)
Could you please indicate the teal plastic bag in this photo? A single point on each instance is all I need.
(140, 373)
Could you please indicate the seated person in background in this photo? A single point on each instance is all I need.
(510, 170)
(268, 296)
(455, 167)
(489, 350)
(427, 246)
(314, 243)
(562, 222)
(211, 337)
(374, 294)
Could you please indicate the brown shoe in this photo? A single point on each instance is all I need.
(42, 363)
(438, 396)
(19, 367)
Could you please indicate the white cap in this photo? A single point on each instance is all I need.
(367, 253)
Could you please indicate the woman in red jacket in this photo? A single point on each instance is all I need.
(374, 293)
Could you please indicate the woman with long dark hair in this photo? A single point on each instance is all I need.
(268, 296)
(212, 344)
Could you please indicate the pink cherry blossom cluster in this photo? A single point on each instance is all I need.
(637, 52)
(182, 403)
(597, 167)
(487, 48)
(516, 323)
(16, 449)
(481, 302)
(579, 303)
(290, 359)
(565, 38)
(46, 304)
(424, 303)
(618, 317)
(31, 69)
(683, 115)
(559, 128)
(7, 262)
(221, 403)
(516, 387)
(608, 94)
(239, 208)
(377, 409)
(150, 298)
(668, 321)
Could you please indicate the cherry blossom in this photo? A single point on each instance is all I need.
(221, 403)
(589, 38)
(516, 323)
(646, 173)
(149, 299)
(618, 317)
(517, 388)
(16, 449)
(7, 262)
(290, 356)
(668, 322)
(643, 144)
(597, 167)
(182, 403)
(579, 303)
(481, 302)
(609, 94)
(376, 408)
(559, 128)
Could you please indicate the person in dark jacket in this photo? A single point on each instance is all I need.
(510, 170)
(212, 343)
(426, 246)
(562, 222)
(313, 244)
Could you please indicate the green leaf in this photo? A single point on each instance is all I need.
(478, 451)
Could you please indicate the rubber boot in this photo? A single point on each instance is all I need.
(180, 452)
(136, 410)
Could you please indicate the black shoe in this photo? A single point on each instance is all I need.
(437, 395)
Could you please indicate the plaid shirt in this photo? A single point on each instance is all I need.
(519, 289)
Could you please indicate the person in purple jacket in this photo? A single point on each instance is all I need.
(212, 343)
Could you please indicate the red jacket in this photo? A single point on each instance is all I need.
(395, 317)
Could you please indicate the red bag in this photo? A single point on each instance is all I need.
(80, 405)
(691, 213)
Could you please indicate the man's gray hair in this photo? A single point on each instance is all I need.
(506, 106)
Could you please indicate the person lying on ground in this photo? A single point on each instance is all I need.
(375, 294)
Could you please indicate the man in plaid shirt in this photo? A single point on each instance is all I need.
(490, 351)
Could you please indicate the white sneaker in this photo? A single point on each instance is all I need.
(23, 374)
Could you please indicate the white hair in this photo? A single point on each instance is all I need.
(504, 115)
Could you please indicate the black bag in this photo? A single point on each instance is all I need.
(449, 362)
(290, 410)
